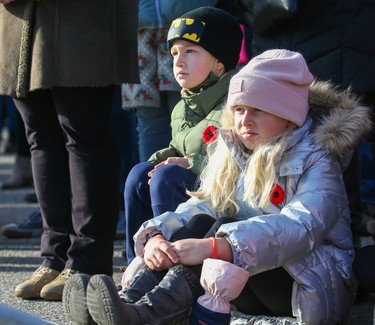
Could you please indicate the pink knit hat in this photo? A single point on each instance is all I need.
(276, 82)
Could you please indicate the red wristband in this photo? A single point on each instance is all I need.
(215, 253)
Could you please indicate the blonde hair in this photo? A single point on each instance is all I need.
(221, 173)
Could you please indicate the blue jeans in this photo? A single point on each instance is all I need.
(166, 191)
(154, 131)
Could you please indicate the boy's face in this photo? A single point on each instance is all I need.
(255, 127)
(192, 63)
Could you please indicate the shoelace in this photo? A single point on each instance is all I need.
(67, 273)
(41, 271)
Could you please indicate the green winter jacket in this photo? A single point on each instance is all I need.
(59, 43)
(190, 118)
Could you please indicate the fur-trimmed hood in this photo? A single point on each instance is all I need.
(340, 120)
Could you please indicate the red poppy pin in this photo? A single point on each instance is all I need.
(209, 134)
(277, 194)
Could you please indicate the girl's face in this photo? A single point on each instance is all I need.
(192, 63)
(255, 127)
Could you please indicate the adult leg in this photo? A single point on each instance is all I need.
(168, 187)
(153, 114)
(364, 268)
(51, 174)
(352, 180)
(21, 175)
(154, 132)
(160, 92)
(125, 134)
(124, 131)
(137, 203)
(94, 171)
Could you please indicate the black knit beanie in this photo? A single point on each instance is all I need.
(214, 29)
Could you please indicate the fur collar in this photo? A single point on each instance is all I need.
(340, 121)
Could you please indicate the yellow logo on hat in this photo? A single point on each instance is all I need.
(186, 28)
(192, 37)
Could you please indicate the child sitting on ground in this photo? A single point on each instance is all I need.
(205, 44)
(275, 173)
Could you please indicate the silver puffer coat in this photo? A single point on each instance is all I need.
(309, 232)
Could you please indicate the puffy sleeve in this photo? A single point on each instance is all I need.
(170, 222)
(316, 204)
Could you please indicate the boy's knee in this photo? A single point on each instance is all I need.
(167, 175)
(139, 173)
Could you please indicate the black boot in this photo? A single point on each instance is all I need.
(74, 300)
(144, 281)
(168, 303)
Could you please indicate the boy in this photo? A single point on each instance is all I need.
(205, 44)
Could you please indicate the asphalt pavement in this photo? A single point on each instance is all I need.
(19, 258)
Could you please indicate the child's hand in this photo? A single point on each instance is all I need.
(192, 251)
(159, 255)
(180, 161)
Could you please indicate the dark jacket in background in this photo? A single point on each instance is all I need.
(333, 36)
(74, 43)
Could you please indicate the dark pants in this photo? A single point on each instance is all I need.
(364, 268)
(266, 293)
(76, 174)
(143, 202)
(22, 146)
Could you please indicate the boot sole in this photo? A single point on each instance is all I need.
(74, 300)
(103, 301)
(26, 295)
(53, 296)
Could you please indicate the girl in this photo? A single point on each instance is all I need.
(276, 172)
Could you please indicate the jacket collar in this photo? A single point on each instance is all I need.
(199, 105)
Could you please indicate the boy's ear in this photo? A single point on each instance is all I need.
(219, 68)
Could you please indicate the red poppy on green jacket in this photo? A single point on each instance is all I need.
(209, 134)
